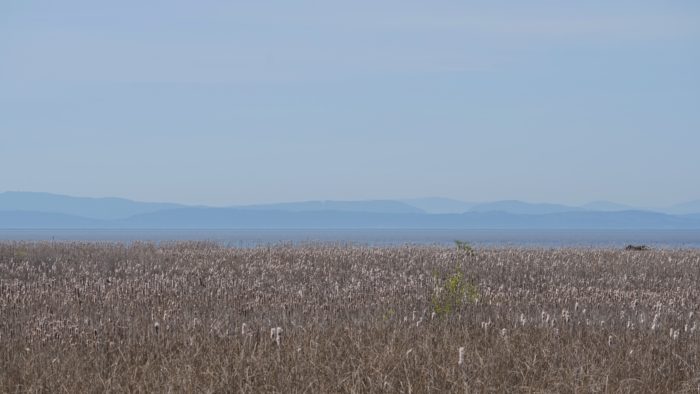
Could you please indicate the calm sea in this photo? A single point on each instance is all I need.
(376, 237)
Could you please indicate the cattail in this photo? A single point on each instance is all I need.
(156, 325)
(461, 356)
(243, 329)
(610, 340)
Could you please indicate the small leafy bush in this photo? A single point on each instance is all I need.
(451, 292)
(464, 247)
(389, 314)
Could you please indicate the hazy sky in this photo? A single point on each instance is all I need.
(225, 102)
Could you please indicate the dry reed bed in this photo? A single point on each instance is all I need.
(196, 317)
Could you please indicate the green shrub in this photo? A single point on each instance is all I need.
(451, 292)
(389, 314)
(464, 246)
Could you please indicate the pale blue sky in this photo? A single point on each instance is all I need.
(223, 102)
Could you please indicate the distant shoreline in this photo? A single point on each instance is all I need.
(614, 238)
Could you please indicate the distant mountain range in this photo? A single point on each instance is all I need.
(95, 208)
(439, 205)
(686, 208)
(607, 206)
(27, 210)
(374, 206)
(523, 208)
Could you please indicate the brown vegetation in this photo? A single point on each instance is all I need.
(202, 318)
(638, 248)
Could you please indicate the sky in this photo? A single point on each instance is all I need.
(235, 102)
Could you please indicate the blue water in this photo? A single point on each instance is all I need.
(378, 237)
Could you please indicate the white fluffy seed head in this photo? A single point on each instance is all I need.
(674, 333)
(277, 333)
(461, 356)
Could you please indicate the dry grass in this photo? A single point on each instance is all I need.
(198, 318)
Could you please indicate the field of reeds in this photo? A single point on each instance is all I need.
(196, 317)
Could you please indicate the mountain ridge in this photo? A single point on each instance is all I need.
(439, 204)
(376, 206)
(684, 208)
(232, 218)
(523, 208)
(106, 208)
(53, 211)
